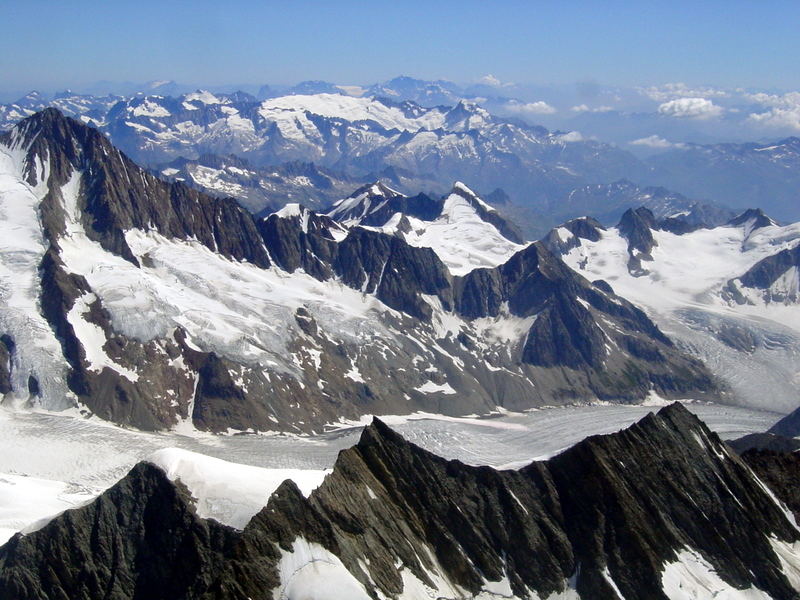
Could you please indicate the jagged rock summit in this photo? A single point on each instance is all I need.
(151, 304)
(663, 509)
(460, 227)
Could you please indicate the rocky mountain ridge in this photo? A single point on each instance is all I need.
(164, 307)
(443, 136)
(601, 520)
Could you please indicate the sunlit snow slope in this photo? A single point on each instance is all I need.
(699, 286)
(461, 228)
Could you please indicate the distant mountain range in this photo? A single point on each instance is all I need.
(417, 147)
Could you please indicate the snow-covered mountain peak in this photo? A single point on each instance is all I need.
(751, 220)
(386, 114)
(464, 231)
(293, 209)
(466, 115)
(377, 189)
(205, 97)
(310, 221)
(365, 201)
(461, 189)
(32, 97)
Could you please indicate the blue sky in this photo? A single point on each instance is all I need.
(50, 44)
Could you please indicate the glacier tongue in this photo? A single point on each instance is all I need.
(37, 353)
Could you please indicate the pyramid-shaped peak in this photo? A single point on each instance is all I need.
(378, 433)
(30, 97)
(49, 130)
(293, 209)
(362, 202)
(461, 189)
(752, 219)
(376, 189)
(46, 115)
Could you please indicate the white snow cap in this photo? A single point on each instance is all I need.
(229, 492)
(464, 190)
(293, 209)
(204, 97)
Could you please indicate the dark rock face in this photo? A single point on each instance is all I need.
(780, 470)
(121, 196)
(764, 441)
(788, 426)
(564, 333)
(7, 347)
(140, 539)
(608, 513)
(568, 331)
(755, 216)
(637, 227)
(302, 241)
(584, 228)
(766, 272)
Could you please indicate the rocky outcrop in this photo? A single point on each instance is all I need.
(298, 238)
(751, 219)
(563, 239)
(780, 470)
(7, 346)
(788, 426)
(604, 519)
(374, 204)
(119, 195)
(775, 278)
(637, 227)
(139, 539)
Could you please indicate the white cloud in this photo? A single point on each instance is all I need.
(784, 110)
(672, 91)
(790, 100)
(584, 108)
(534, 108)
(352, 90)
(691, 108)
(656, 142)
(778, 117)
(572, 136)
(490, 79)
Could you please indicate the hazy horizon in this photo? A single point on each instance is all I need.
(730, 44)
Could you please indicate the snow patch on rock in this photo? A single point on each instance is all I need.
(229, 492)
